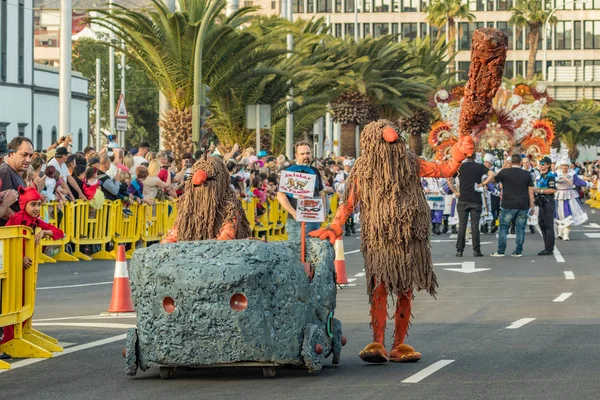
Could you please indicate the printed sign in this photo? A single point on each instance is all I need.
(310, 210)
(297, 184)
(436, 202)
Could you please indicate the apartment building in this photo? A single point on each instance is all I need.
(573, 56)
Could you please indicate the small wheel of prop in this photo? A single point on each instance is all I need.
(269, 372)
(167, 372)
(315, 346)
(337, 341)
(131, 352)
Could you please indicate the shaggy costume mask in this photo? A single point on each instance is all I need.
(209, 208)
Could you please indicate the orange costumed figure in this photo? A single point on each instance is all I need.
(394, 214)
(209, 208)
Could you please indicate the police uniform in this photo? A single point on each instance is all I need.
(547, 205)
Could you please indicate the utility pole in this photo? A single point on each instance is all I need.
(232, 7)
(122, 136)
(111, 79)
(289, 120)
(98, 100)
(64, 93)
(163, 103)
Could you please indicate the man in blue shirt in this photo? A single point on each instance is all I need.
(289, 203)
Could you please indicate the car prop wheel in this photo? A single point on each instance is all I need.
(131, 352)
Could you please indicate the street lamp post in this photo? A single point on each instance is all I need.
(199, 88)
(545, 40)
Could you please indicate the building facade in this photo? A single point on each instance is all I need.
(29, 92)
(573, 57)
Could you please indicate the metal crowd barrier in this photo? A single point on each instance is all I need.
(17, 296)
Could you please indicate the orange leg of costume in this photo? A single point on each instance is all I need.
(375, 352)
(403, 352)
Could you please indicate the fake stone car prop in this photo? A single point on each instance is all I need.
(233, 303)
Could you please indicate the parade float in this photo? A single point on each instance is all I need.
(515, 123)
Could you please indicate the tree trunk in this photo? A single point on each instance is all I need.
(534, 37)
(177, 131)
(573, 152)
(348, 140)
(415, 142)
(451, 45)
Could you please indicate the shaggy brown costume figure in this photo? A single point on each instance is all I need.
(394, 213)
(209, 208)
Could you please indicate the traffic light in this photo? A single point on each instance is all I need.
(200, 114)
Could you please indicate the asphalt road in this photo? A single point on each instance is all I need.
(525, 328)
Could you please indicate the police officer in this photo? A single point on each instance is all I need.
(545, 187)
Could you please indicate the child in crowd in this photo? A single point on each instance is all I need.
(258, 191)
(30, 202)
(124, 192)
(90, 183)
(136, 187)
(49, 191)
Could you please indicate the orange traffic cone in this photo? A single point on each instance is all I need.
(121, 294)
(340, 263)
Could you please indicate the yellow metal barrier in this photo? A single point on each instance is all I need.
(17, 296)
(93, 228)
(50, 213)
(128, 227)
(153, 222)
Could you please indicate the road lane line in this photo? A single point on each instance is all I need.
(69, 350)
(562, 297)
(557, 255)
(108, 325)
(132, 315)
(352, 252)
(360, 275)
(593, 235)
(351, 280)
(569, 275)
(419, 376)
(519, 323)
(71, 286)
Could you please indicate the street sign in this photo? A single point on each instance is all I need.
(310, 210)
(265, 116)
(121, 111)
(121, 124)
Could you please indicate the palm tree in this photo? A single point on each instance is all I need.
(377, 80)
(576, 123)
(432, 59)
(531, 14)
(442, 12)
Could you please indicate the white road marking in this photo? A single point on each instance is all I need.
(593, 235)
(69, 350)
(108, 325)
(66, 344)
(592, 225)
(454, 236)
(442, 264)
(360, 275)
(419, 376)
(467, 267)
(556, 253)
(569, 275)
(519, 323)
(351, 280)
(468, 243)
(352, 252)
(132, 315)
(71, 286)
(562, 297)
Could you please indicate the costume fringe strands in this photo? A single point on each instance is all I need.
(203, 209)
(394, 214)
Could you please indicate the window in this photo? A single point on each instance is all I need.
(592, 34)
(39, 138)
(505, 5)
(366, 29)
(3, 128)
(382, 5)
(3, 34)
(540, 41)
(423, 5)
(503, 26)
(338, 6)
(367, 5)
(520, 41)
(80, 140)
(297, 6)
(381, 29)
(480, 5)
(21, 39)
(490, 5)
(435, 33)
(338, 30)
(22, 129)
(274, 5)
(409, 31)
(53, 137)
(563, 63)
(409, 5)
(422, 30)
(349, 6)
(247, 3)
(578, 63)
(463, 69)
(465, 35)
(520, 70)
(592, 5)
(349, 29)
(577, 34)
(509, 69)
(395, 29)
(324, 6)
(562, 35)
(310, 6)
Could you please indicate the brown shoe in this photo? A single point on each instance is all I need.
(404, 353)
(374, 353)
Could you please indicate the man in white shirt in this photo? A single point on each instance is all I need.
(60, 163)
(140, 157)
